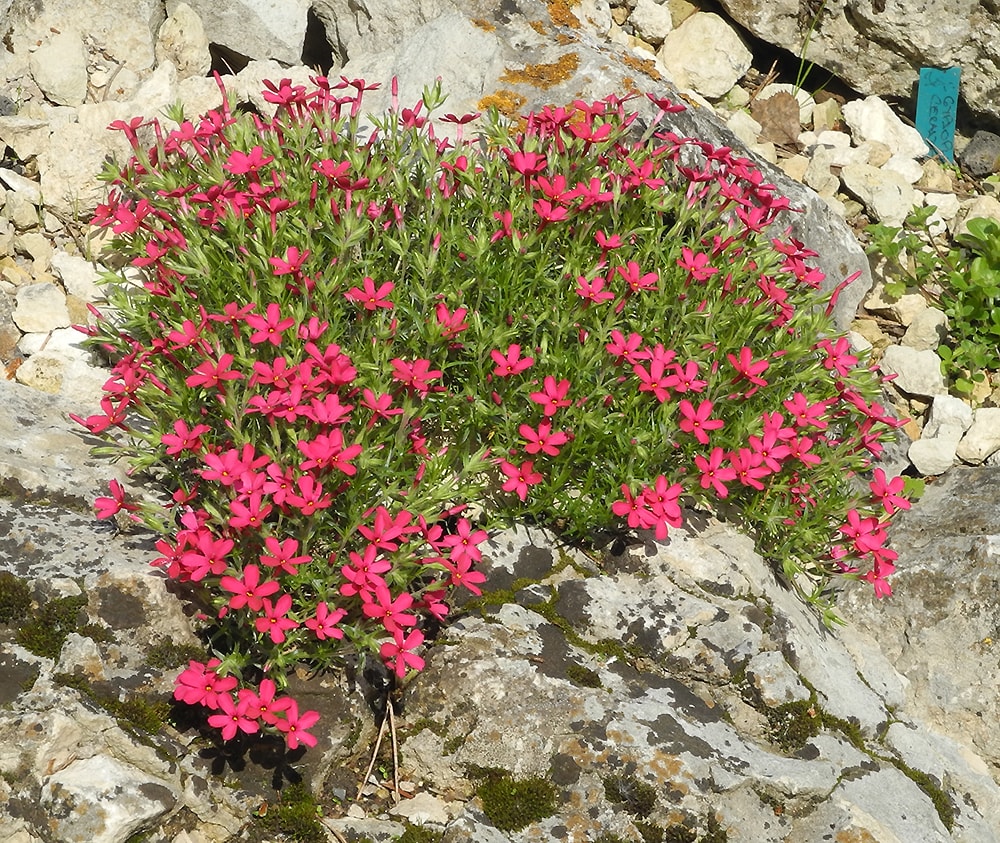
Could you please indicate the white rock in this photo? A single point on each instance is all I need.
(111, 800)
(744, 127)
(888, 195)
(947, 412)
(259, 29)
(182, 41)
(876, 152)
(705, 53)
(59, 67)
(917, 372)
(595, 15)
(935, 451)
(66, 373)
(421, 809)
(927, 330)
(19, 184)
(22, 213)
(38, 246)
(982, 207)
(906, 167)
(873, 119)
(835, 139)
(795, 167)
(826, 114)
(27, 136)
(982, 439)
(818, 175)
(652, 22)
(903, 309)
(78, 275)
(40, 307)
(775, 680)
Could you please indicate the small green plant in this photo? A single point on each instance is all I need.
(512, 804)
(583, 676)
(635, 796)
(45, 632)
(963, 280)
(295, 817)
(419, 834)
(15, 597)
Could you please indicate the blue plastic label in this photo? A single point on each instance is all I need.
(937, 103)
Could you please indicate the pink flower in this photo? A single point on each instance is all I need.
(416, 375)
(464, 542)
(713, 473)
(552, 396)
(294, 725)
(634, 509)
(184, 438)
(233, 717)
(696, 264)
(389, 610)
(663, 502)
(248, 591)
(398, 653)
(543, 439)
(636, 282)
(510, 363)
(210, 373)
(593, 291)
(275, 621)
(201, 685)
(281, 556)
(324, 624)
(747, 368)
(889, 494)
(838, 357)
(369, 296)
(108, 507)
(697, 422)
(263, 705)
(520, 477)
(268, 328)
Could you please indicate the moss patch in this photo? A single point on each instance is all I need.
(419, 834)
(512, 804)
(168, 655)
(44, 633)
(15, 597)
(635, 796)
(295, 817)
(582, 676)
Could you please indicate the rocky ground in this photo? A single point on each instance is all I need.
(663, 691)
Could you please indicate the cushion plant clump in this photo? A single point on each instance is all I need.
(334, 345)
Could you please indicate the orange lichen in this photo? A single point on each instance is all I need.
(561, 15)
(485, 25)
(543, 76)
(647, 66)
(628, 83)
(538, 26)
(562, 39)
(506, 102)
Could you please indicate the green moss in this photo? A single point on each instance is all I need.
(512, 804)
(941, 800)
(451, 745)
(44, 633)
(419, 834)
(96, 632)
(583, 676)
(635, 796)
(295, 817)
(610, 838)
(794, 723)
(655, 833)
(15, 597)
(134, 714)
(168, 655)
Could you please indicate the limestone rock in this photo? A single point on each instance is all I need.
(257, 29)
(927, 330)
(982, 439)
(705, 54)
(59, 66)
(917, 372)
(887, 194)
(872, 119)
(182, 40)
(651, 20)
(41, 307)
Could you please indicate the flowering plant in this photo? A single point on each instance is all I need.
(337, 340)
